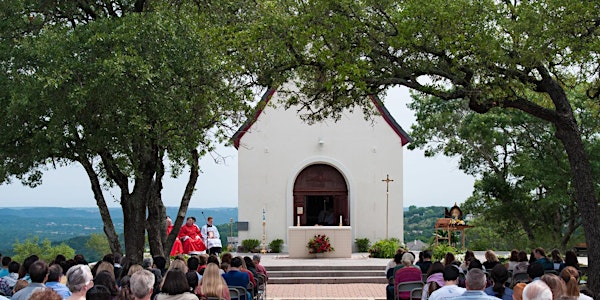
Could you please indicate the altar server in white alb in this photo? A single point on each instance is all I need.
(212, 238)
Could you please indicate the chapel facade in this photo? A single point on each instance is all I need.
(324, 174)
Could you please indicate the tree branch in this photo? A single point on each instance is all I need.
(112, 170)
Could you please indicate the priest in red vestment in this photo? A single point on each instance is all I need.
(177, 246)
(191, 238)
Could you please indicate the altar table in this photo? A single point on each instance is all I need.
(340, 238)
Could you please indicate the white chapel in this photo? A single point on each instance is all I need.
(332, 178)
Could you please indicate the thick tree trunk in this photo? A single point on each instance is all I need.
(134, 230)
(582, 177)
(585, 193)
(155, 224)
(109, 228)
(568, 133)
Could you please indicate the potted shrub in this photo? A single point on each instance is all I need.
(362, 245)
(250, 245)
(275, 245)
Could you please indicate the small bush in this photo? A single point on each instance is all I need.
(275, 245)
(250, 245)
(362, 244)
(439, 251)
(385, 248)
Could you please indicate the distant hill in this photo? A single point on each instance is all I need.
(419, 222)
(60, 224)
(74, 225)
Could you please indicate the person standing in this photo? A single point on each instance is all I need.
(191, 237)
(212, 238)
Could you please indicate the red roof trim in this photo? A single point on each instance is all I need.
(404, 137)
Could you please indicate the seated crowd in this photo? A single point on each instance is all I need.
(115, 278)
(538, 277)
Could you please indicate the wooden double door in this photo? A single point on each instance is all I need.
(321, 197)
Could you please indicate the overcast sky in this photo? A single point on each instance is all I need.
(427, 181)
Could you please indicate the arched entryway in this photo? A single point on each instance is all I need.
(321, 197)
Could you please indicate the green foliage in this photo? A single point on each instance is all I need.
(224, 231)
(520, 164)
(120, 90)
(420, 221)
(385, 248)
(98, 243)
(44, 249)
(518, 60)
(439, 251)
(275, 245)
(362, 244)
(250, 245)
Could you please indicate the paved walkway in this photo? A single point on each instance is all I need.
(367, 291)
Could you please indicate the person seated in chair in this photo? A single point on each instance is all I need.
(191, 238)
(407, 273)
(450, 288)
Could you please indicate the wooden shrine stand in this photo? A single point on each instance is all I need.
(445, 224)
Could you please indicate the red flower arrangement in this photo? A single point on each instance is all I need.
(319, 244)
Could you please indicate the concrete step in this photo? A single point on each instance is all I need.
(325, 280)
(326, 274)
(325, 267)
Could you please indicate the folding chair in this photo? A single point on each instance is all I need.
(551, 272)
(261, 281)
(407, 286)
(235, 293)
(250, 288)
(519, 277)
(240, 291)
(416, 294)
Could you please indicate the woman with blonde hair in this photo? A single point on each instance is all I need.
(134, 268)
(213, 284)
(570, 276)
(104, 266)
(491, 260)
(180, 265)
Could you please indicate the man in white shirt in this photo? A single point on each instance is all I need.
(211, 236)
(450, 288)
